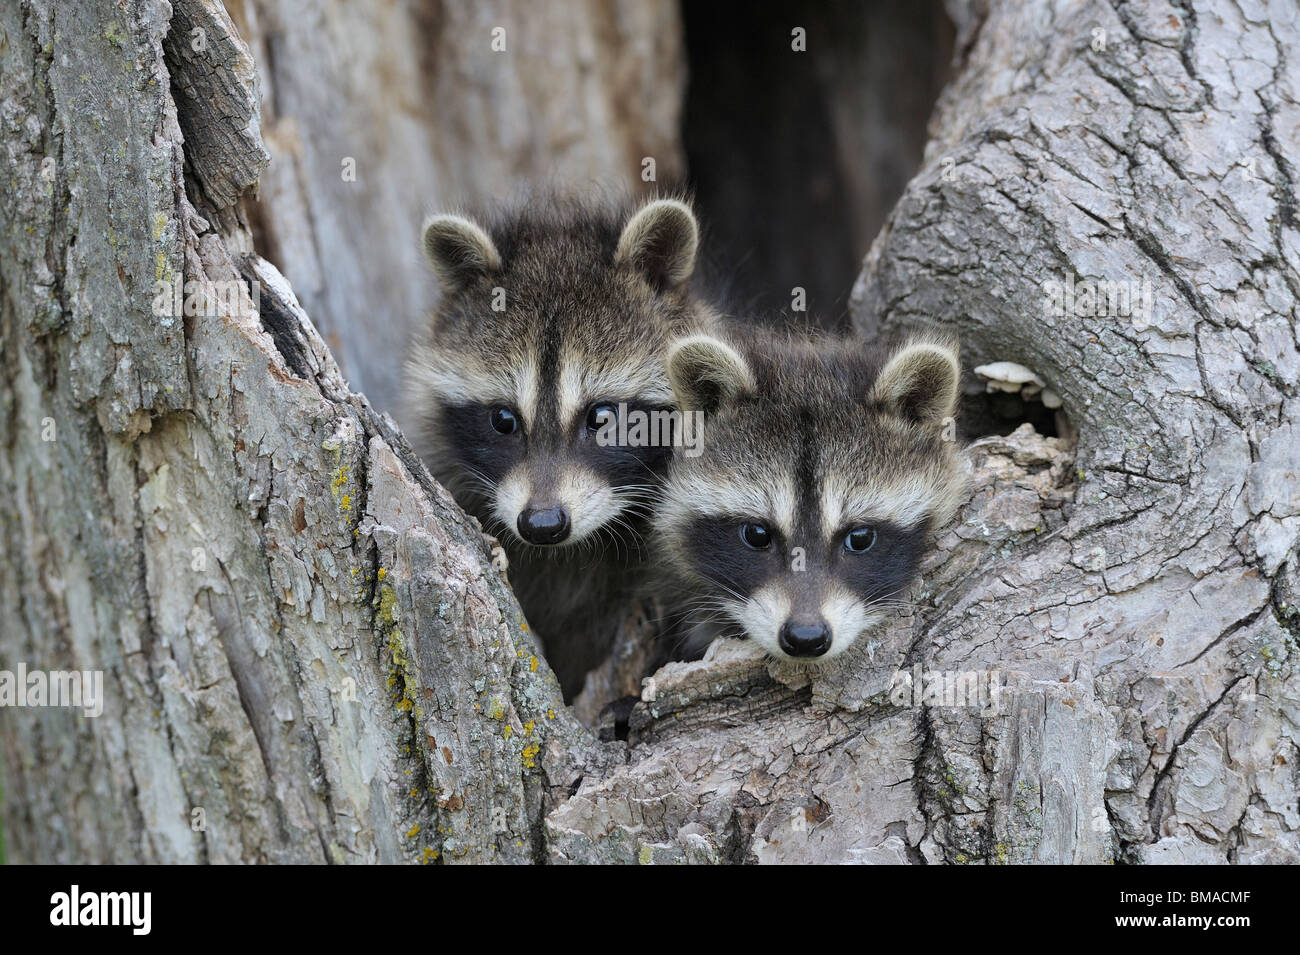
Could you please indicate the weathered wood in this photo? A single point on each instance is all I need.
(304, 637)
(1155, 143)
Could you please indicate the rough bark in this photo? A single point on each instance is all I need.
(243, 545)
(302, 636)
(1118, 142)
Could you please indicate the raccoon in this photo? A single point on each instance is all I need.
(554, 321)
(823, 472)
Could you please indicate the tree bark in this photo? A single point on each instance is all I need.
(1152, 142)
(305, 639)
(307, 651)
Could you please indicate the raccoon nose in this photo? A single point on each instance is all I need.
(805, 639)
(548, 525)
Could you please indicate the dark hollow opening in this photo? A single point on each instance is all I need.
(999, 412)
(797, 157)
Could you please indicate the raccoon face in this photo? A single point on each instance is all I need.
(805, 517)
(553, 324)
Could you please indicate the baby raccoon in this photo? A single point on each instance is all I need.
(822, 474)
(554, 322)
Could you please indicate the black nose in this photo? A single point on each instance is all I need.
(805, 639)
(545, 526)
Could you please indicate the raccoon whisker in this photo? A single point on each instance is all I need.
(712, 615)
(678, 610)
(631, 536)
(720, 619)
(469, 468)
(620, 518)
(700, 603)
(637, 491)
(636, 496)
(473, 481)
(493, 525)
(620, 523)
(890, 601)
(608, 529)
(638, 510)
(653, 486)
(890, 605)
(887, 601)
(640, 513)
(684, 639)
(717, 607)
(479, 489)
(616, 533)
(728, 590)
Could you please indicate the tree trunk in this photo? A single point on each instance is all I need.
(1157, 615)
(308, 651)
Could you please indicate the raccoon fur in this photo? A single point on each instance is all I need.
(554, 320)
(823, 472)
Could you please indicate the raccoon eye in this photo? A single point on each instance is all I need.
(600, 416)
(504, 421)
(860, 540)
(756, 536)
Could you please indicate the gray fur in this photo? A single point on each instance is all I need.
(595, 288)
(811, 437)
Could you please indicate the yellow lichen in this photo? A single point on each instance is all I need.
(414, 831)
(336, 486)
(387, 604)
(527, 756)
(387, 617)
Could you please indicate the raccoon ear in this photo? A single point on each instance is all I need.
(706, 373)
(458, 249)
(660, 242)
(919, 382)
